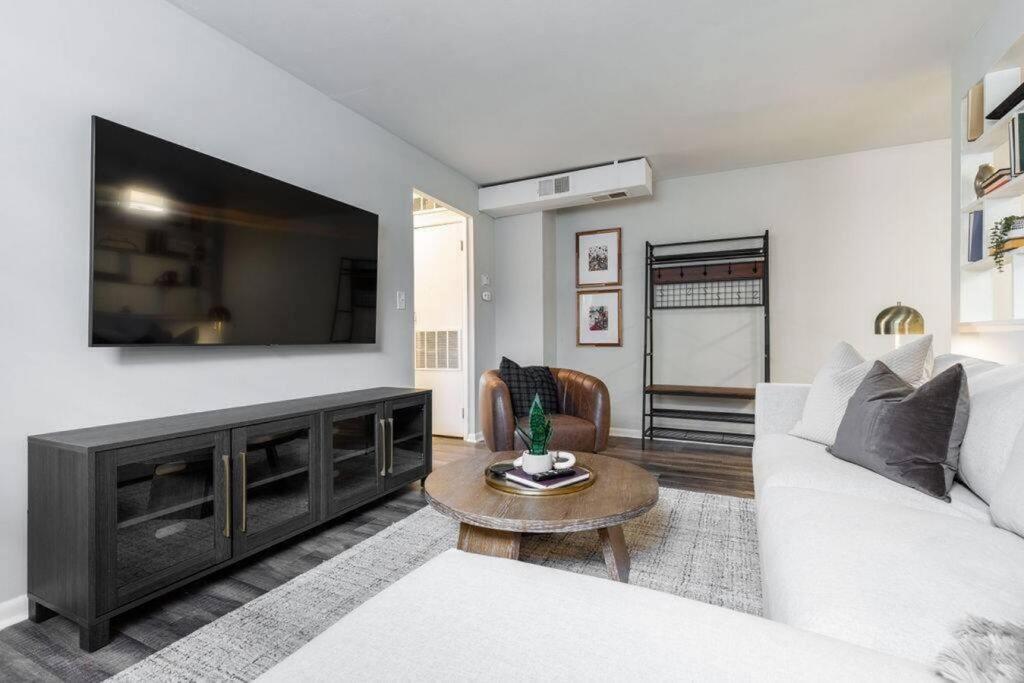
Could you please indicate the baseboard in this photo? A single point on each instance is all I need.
(14, 610)
(622, 431)
(475, 438)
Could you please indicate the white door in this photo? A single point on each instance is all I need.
(440, 309)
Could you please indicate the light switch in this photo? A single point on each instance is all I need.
(485, 280)
(400, 300)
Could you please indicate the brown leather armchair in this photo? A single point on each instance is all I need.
(581, 424)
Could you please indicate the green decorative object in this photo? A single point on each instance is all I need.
(998, 237)
(540, 429)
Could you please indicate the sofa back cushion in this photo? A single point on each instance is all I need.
(996, 418)
(972, 366)
(1008, 500)
(843, 372)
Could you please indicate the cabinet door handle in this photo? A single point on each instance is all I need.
(245, 492)
(226, 459)
(391, 445)
(383, 450)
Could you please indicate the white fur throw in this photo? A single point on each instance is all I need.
(984, 651)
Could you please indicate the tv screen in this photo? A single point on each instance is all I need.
(191, 250)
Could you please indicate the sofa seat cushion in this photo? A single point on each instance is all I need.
(788, 461)
(569, 433)
(453, 620)
(880, 574)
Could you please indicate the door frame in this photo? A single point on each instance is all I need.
(468, 315)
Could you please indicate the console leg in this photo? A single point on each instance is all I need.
(423, 482)
(92, 638)
(39, 613)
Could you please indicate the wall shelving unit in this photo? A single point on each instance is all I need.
(990, 299)
(720, 273)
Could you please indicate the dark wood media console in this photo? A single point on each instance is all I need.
(121, 514)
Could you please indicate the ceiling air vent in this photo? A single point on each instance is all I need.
(550, 186)
(609, 196)
(584, 186)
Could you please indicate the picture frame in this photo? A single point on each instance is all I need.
(599, 317)
(599, 258)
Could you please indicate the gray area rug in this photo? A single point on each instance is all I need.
(698, 545)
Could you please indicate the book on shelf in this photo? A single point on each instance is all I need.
(976, 238)
(989, 189)
(997, 179)
(1012, 131)
(976, 111)
(1017, 144)
(520, 477)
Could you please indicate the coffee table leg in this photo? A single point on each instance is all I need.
(475, 539)
(616, 556)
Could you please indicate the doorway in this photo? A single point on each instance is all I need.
(441, 311)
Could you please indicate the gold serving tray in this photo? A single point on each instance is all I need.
(506, 486)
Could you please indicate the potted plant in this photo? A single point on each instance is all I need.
(1004, 230)
(537, 458)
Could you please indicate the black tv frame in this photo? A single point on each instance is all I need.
(92, 251)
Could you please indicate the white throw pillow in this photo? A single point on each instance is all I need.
(1008, 501)
(996, 419)
(843, 372)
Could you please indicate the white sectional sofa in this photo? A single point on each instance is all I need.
(864, 579)
(453, 620)
(850, 554)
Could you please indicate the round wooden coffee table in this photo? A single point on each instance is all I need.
(492, 522)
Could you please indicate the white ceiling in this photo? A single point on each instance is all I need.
(512, 88)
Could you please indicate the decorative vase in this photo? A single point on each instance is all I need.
(535, 464)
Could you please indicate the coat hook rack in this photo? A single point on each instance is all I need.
(729, 272)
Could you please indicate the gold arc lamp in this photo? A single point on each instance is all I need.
(899, 320)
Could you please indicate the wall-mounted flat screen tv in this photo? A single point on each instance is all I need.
(191, 250)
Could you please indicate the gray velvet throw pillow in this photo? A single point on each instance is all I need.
(909, 435)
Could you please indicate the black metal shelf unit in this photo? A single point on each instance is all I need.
(730, 272)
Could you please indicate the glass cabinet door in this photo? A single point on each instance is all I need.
(353, 459)
(275, 480)
(166, 513)
(409, 440)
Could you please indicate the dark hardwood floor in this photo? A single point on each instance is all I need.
(49, 651)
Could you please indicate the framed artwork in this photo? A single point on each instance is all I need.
(599, 258)
(599, 317)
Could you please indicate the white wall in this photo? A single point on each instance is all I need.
(850, 235)
(524, 278)
(980, 54)
(148, 65)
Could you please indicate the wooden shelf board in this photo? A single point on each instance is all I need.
(991, 326)
(973, 205)
(994, 137)
(139, 519)
(691, 390)
(703, 415)
(277, 477)
(979, 266)
(701, 436)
